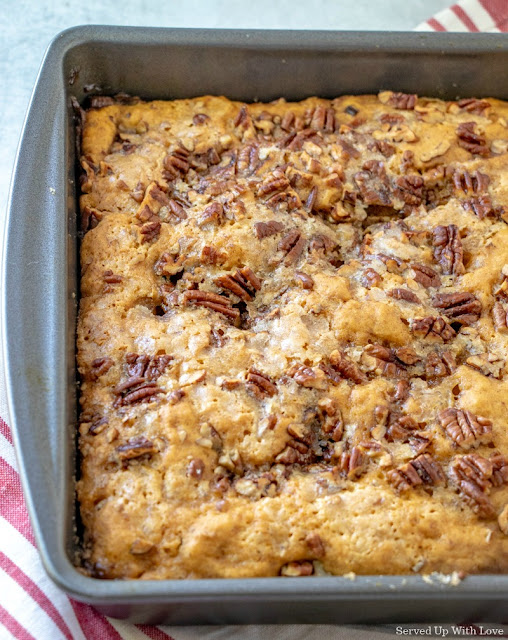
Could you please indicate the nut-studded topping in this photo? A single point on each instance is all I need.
(410, 189)
(404, 294)
(243, 283)
(464, 428)
(292, 244)
(266, 229)
(135, 448)
(213, 301)
(260, 384)
(297, 569)
(463, 308)
(313, 378)
(176, 164)
(448, 249)
(426, 276)
(422, 470)
(347, 368)
(500, 316)
(472, 473)
(353, 463)
(404, 101)
(100, 366)
(439, 365)
(432, 327)
(473, 105)
(391, 362)
(470, 140)
(468, 183)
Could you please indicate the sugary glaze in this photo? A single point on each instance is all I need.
(293, 337)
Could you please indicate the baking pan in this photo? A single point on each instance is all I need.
(41, 289)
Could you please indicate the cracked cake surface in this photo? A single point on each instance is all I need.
(293, 337)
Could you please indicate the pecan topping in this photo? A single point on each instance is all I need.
(323, 119)
(177, 209)
(213, 301)
(466, 182)
(292, 244)
(448, 249)
(371, 278)
(404, 294)
(141, 392)
(100, 366)
(464, 428)
(248, 158)
(196, 468)
(243, 283)
(392, 362)
(470, 140)
(320, 243)
(150, 230)
(404, 101)
(347, 368)
(400, 427)
(176, 164)
(472, 473)
(148, 368)
(432, 327)
(353, 463)
(307, 376)
(426, 276)
(410, 189)
(266, 229)
(297, 569)
(439, 365)
(275, 181)
(212, 213)
(287, 121)
(499, 470)
(463, 308)
(372, 187)
(135, 448)
(419, 471)
(500, 315)
(260, 384)
(315, 544)
(473, 105)
(305, 280)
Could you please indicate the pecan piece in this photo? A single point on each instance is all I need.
(145, 392)
(400, 427)
(248, 158)
(371, 278)
(297, 569)
(196, 468)
(307, 376)
(426, 276)
(243, 283)
(463, 308)
(347, 368)
(100, 366)
(481, 206)
(260, 384)
(419, 471)
(266, 229)
(471, 141)
(432, 327)
(275, 181)
(212, 213)
(176, 164)
(439, 365)
(466, 182)
(499, 470)
(448, 249)
(111, 278)
(150, 230)
(353, 463)
(315, 544)
(473, 105)
(472, 473)
(404, 294)
(135, 448)
(213, 301)
(403, 101)
(392, 362)
(464, 428)
(292, 244)
(372, 188)
(148, 368)
(500, 316)
(410, 189)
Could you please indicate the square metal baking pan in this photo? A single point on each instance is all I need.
(41, 288)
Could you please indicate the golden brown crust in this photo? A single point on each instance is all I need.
(292, 337)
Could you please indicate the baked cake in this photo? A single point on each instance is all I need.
(293, 337)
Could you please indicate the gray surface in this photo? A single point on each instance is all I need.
(41, 277)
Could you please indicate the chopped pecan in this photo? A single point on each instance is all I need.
(319, 243)
(481, 207)
(347, 368)
(144, 392)
(266, 229)
(439, 365)
(307, 376)
(315, 544)
(448, 249)
(473, 105)
(111, 278)
(311, 199)
(499, 470)
(150, 230)
(260, 384)
(196, 468)
(372, 188)
(401, 391)
(470, 140)
(213, 301)
(176, 209)
(400, 427)
(500, 315)
(176, 164)
(385, 148)
(404, 294)
(287, 121)
(404, 101)
(306, 281)
(472, 473)
(432, 327)
(333, 424)
(323, 119)
(464, 428)
(392, 362)
(212, 213)
(275, 181)
(90, 218)
(200, 118)
(410, 189)
(466, 182)
(353, 463)
(426, 276)
(100, 366)
(248, 158)
(243, 283)
(135, 448)
(292, 244)
(371, 278)
(419, 471)
(138, 193)
(148, 368)
(297, 569)
(463, 308)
